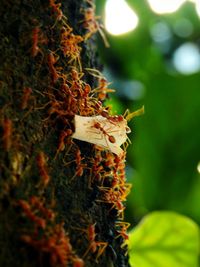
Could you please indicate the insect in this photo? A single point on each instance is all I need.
(101, 132)
(129, 115)
(61, 145)
(29, 212)
(102, 89)
(37, 38)
(41, 162)
(76, 83)
(96, 170)
(123, 229)
(91, 23)
(38, 204)
(27, 91)
(51, 60)
(56, 243)
(113, 197)
(93, 246)
(79, 165)
(78, 262)
(56, 8)
(98, 126)
(70, 47)
(7, 133)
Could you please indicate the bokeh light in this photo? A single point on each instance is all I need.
(186, 59)
(119, 17)
(198, 167)
(183, 27)
(165, 6)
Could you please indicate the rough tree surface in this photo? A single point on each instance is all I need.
(61, 200)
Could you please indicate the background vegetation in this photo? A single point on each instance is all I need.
(163, 159)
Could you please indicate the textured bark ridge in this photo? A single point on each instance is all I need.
(61, 200)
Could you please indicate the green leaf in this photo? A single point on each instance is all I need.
(164, 239)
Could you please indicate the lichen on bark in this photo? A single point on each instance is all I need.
(54, 190)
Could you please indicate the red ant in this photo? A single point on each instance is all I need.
(113, 119)
(27, 209)
(41, 162)
(26, 96)
(94, 244)
(36, 38)
(38, 204)
(76, 83)
(79, 165)
(7, 134)
(98, 126)
(91, 24)
(114, 197)
(77, 262)
(102, 90)
(123, 231)
(61, 146)
(56, 244)
(69, 44)
(56, 9)
(96, 169)
(51, 60)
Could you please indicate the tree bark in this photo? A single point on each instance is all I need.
(53, 205)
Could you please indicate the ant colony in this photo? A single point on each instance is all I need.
(108, 133)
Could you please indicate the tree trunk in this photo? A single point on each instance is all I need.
(54, 205)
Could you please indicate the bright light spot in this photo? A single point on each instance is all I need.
(186, 59)
(119, 17)
(198, 7)
(165, 6)
(198, 167)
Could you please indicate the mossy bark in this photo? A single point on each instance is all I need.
(45, 206)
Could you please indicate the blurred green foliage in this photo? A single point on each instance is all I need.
(164, 239)
(162, 161)
(167, 144)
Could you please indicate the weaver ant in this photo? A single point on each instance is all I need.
(51, 60)
(98, 126)
(37, 38)
(61, 145)
(28, 211)
(90, 23)
(91, 235)
(77, 262)
(27, 91)
(57, 11)
(56, 243)
(69, 45)
(79, 165)
(7, 134)
(102, 89)
(122, 232)
(41, 162)
(38, 204)
(113, 197)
